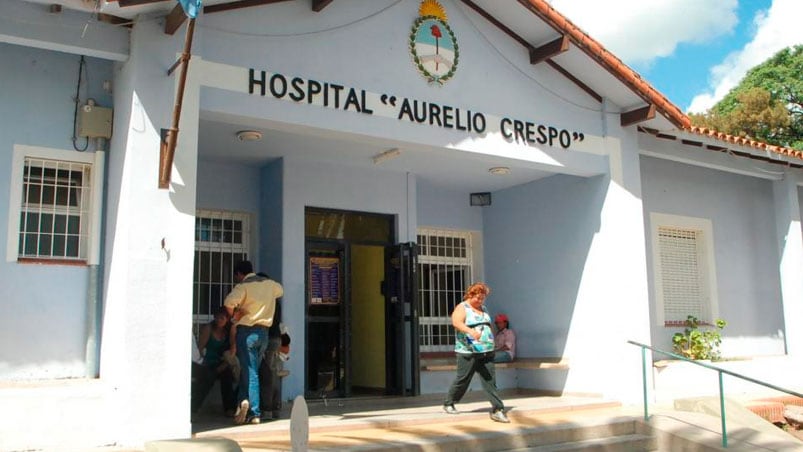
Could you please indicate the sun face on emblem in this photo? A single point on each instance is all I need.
(432, 8)
(433, 44)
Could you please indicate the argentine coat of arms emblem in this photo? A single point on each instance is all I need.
(433, 45)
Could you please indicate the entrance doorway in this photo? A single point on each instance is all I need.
(360, 306)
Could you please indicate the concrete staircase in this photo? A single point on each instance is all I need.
(539, 423)
(623, 434)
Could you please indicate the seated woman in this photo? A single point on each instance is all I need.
(504, 341)
(213, 341)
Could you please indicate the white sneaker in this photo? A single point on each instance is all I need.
(242, 412)
(499, 416)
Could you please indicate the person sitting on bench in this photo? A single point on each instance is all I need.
(504, 341)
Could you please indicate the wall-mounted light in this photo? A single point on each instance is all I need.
(249, 135)
(499, 170)
(387, 155)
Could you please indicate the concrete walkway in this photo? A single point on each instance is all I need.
(418, 423)
(375, 423)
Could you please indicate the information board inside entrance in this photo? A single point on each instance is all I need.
(324, 280)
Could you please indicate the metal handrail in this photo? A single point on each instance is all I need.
(719, 370)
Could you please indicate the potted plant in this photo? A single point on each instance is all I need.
(699, 342)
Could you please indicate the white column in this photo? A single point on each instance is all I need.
(612, 302)
(790, 251)
(145, 351)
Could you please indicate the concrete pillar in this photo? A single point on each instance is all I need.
(612, 301)
(145, 350)
(790, 252)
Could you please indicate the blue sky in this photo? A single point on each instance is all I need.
(693, 51)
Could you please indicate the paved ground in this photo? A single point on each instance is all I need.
(418, 423)
(354, 424)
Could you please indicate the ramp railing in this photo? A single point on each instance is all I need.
(719, 371)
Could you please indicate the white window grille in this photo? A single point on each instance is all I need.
(445, 264)
(684, 269)
(55, 209)
(221, 240)
(54, 205)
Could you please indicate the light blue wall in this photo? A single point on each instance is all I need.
(314, 46)
(746, 256)
(800, 202)
(228, 186)
(232, 187)
(446, 207)
(312, 184)
(36, 109)
(270, 212)
(537, 238)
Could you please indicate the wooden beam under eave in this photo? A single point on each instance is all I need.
(638, 115)
(319, 5)
(575, 80)
(484, 14)
(125, 3)
(554, 48)
(237, 5)
(114, 20)
(174, 20)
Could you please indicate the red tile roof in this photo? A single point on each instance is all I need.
(634, 81)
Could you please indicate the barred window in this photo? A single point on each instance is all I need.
(54, 214)
(221, 240)
(445, 264)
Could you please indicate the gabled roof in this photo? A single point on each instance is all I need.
(629, 77)
(610, 76)
(608, 60)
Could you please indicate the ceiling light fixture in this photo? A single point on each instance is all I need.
(387, 155)
(499, 170)
(249, 135)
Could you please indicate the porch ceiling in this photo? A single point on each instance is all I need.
(449, 168)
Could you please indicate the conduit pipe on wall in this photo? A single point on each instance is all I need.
(94, 299)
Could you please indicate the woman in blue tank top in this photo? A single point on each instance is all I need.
(474, 348)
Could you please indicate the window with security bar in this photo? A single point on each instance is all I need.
(445, 263)
(54, 214)
(683, 280)
(221, 240)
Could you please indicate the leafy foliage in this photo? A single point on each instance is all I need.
(767, 105)
(699, 343)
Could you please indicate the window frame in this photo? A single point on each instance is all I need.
(469, 261)
(95, 161)
(706, 259)
(219, 246)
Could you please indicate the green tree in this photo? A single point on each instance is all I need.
(767, 105)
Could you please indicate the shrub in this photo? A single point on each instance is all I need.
(699, 341)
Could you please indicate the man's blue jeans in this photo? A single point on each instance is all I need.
(251, 344)
(502, 357)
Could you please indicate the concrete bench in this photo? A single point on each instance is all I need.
(518, 363)
(541, 374)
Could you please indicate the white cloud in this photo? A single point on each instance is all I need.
(776, 29)
(639, 31)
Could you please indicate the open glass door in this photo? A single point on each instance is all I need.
(401, 320)
(327, 317)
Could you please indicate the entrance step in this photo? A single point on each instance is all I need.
(193, 445)
(618, 434)
(628, 443)
(418, 423)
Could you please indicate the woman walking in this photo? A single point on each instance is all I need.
(474, 346)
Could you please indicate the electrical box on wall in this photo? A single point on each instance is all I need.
(95, 122)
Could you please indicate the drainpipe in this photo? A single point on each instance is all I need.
(94, 301)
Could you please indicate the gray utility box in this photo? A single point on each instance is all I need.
(95, 122)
